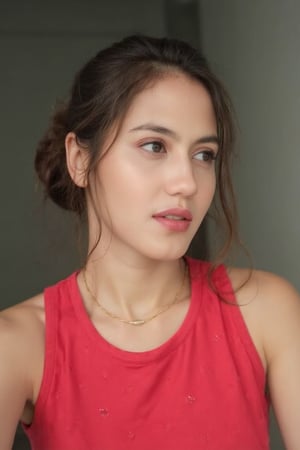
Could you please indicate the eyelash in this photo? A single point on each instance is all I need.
(209, 155)
(152, 143)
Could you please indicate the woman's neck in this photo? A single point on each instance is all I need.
(135, 288)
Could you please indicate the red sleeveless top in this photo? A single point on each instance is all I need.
(203, 389)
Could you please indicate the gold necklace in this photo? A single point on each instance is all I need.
(136, 321)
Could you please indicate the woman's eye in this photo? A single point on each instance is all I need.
(206, 156)
(153, 147)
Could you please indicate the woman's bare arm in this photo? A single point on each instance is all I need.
(271, 309)
(21, 361)
(282, 348)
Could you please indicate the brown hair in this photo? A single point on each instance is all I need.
(100, 96)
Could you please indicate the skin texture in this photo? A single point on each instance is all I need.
(166, 170)
(147, 171)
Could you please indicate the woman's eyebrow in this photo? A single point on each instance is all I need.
(208, 139)
(156, 129)
(166, 131)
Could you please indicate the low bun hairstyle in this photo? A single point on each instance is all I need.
(51, 167)
(100, 96)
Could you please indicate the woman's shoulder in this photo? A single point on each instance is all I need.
(22, 338)
(266, 289)
(21, 361)
(272, 314)
(270, 305)
(23, 316)
(26, 320)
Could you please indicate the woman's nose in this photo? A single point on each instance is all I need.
(180, 177)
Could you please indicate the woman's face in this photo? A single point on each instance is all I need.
(157, 180)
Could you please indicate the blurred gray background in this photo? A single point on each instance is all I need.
(252, 45)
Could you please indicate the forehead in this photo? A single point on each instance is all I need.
(174, 98)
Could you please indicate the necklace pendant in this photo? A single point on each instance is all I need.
(136, 322)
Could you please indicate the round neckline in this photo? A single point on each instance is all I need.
(149, 355)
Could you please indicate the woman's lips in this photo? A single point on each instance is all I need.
(175, 219)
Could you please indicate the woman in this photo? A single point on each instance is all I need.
(144, 348)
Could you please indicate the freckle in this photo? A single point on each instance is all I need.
(131, 435)
(190, 399)
(103, 412)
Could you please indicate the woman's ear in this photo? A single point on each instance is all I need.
(77, 160)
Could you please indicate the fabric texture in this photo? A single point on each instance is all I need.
(203, 389)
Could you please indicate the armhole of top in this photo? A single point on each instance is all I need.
(232, 310)
(51, 316)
